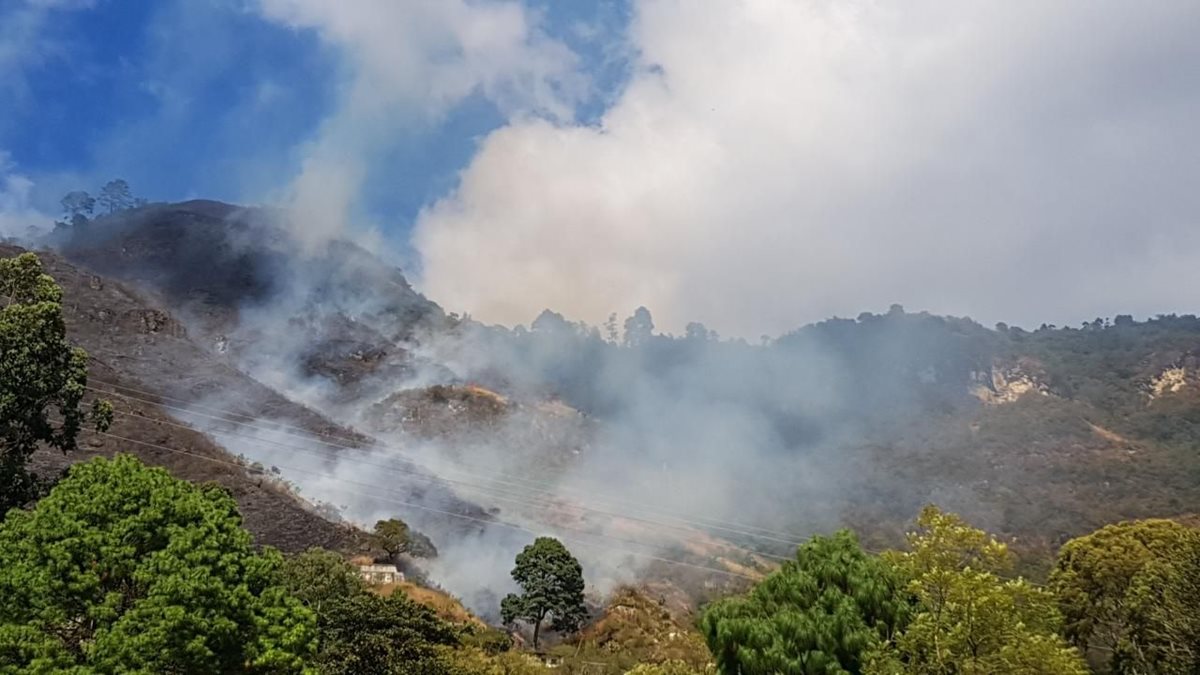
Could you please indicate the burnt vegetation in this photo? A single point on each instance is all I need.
(1038, 436)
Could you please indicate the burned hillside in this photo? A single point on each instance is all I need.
(1037, 434)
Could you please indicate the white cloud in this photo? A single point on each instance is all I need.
(773, 162)
(407, 62)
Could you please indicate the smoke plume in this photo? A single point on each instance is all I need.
(774, 162)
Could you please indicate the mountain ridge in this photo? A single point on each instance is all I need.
(1038, 435)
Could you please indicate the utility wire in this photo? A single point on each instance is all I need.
(737, 528)
(434, 478)
(523, 490)
(452, 514)
(425, 477)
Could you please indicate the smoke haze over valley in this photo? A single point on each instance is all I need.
(506, 268)
(654, 455)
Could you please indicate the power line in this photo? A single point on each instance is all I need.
(737, 528)
(452, 514)
(436, 479)
(702, 523)
(744, 528)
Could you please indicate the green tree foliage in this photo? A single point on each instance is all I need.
(77, 207)
(317, 577)
(970, 621)
(116, 196)
(1134, 588)
(1164, 609)
(551, 582)
(360, 632)
(365, 634)
(123, 568)
(478, 662)
(41, 377)
(392, 536)
(395, 537)
(639, 328)
(820, 613)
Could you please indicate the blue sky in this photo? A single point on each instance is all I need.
(186, 98)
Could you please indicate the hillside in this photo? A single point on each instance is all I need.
(234, 274)
(145, 362)
(687, 448)
(131, 344)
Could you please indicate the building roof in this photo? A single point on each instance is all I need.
(379, 568)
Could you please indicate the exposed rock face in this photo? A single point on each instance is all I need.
(1169, 381)
(1003, 385)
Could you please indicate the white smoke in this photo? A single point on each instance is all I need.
(772, 162)
(406, 64)
(19, 218)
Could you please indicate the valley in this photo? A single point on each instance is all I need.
(199, 313)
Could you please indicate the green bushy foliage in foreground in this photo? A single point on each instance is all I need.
(125, 569)
(1133, 590)
(42, 378)
(967, 617)
(820, 613)
(122, 568)
(360, 632)
(948, 606)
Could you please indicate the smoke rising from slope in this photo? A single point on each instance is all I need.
(626, 453)
(631, 447)
(406, 64)
(662, 448)
(19, 219)
(767, 164)
(775, 162)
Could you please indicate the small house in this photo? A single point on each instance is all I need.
(380, 574)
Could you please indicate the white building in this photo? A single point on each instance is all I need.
(380, 574)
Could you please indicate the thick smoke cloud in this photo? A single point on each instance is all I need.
(768, 163)
(19, 218)
(406, 64)
(772, 162)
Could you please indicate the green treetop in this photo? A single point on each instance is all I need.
(1134, 588)
(968, 620)
(551, 582)
(42, 378)
(365, 634)
(317, 577)
(125, 569)
(395, 537)
(361, 633)
(820, 613)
